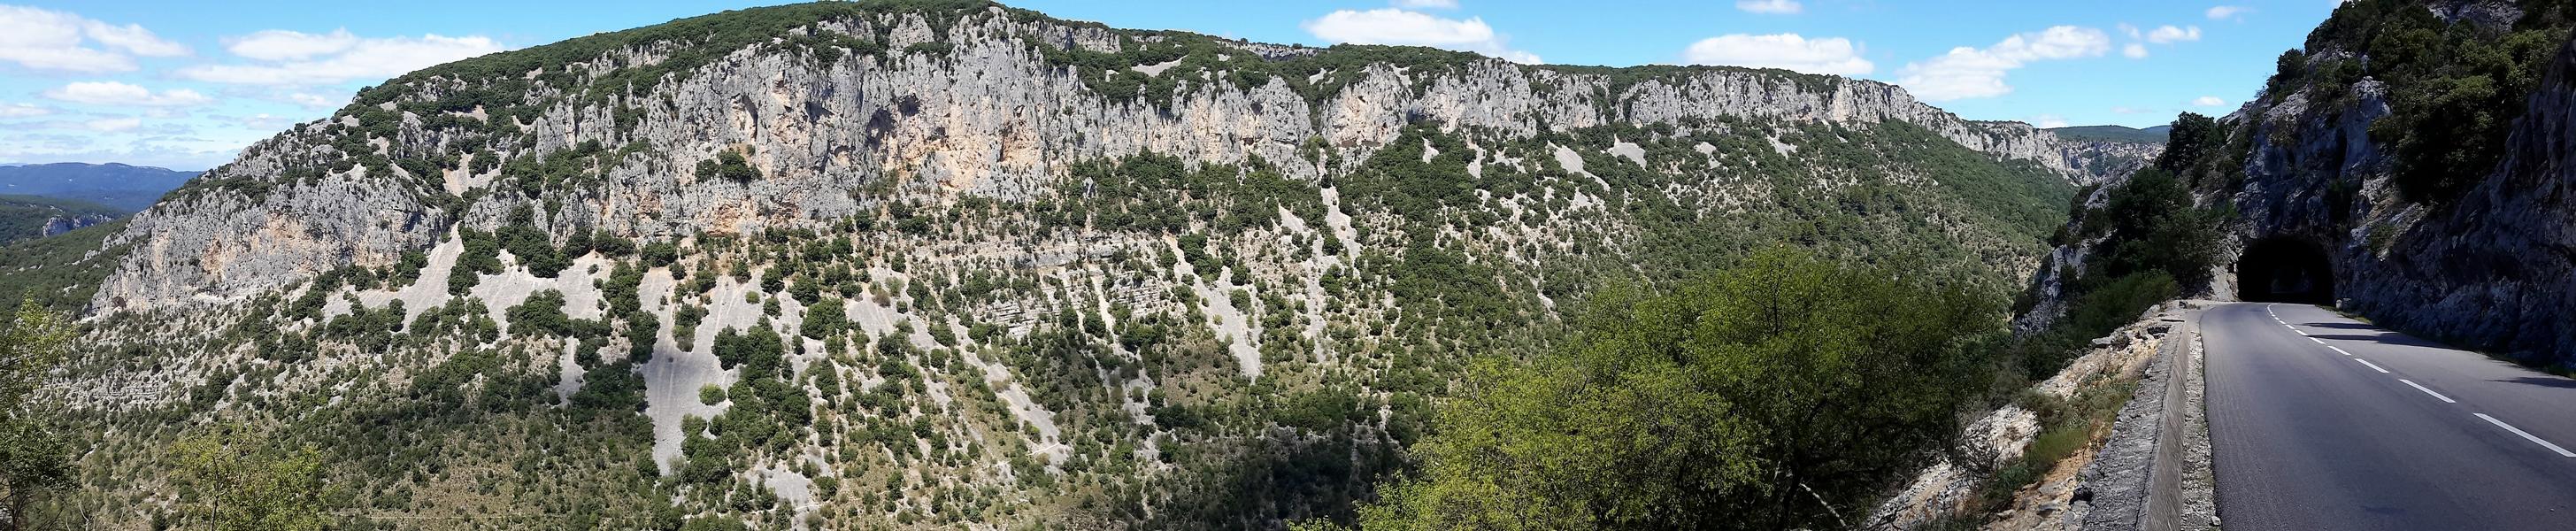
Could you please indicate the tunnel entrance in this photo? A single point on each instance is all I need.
(2285, 270)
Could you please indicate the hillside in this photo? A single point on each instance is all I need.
(27, 217)
(916, 264)
(127, 188)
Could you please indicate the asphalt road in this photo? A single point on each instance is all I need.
(2321, 422)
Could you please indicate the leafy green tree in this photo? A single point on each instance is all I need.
(824, 318)
(33, 458)
(2193, 140)
(2156, 227)
(235, 482)
(1778, 394)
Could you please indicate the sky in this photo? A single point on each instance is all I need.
(186, 85)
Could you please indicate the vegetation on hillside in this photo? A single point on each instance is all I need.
(1084, 355)
(1782, 393)
(2454, 88)
(2149, 237)
(61, 272)
(35, 452)
(26, 217)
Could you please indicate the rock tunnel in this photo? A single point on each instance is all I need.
(2285, 270)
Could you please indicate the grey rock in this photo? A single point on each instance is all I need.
(991, 117)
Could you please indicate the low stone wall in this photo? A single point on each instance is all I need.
(2099, 488)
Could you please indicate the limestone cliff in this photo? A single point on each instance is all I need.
(986, 101)
(976, 265)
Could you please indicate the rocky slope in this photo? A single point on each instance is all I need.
(914, 264)
(976, 107)
(2497, 270)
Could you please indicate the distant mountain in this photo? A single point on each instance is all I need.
(126, 188)
(2114, 133)
(27, 217)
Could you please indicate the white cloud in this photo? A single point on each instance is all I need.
(1979, 72)
(2048, 121)
(55, 40)
(2134, 51)
(2170, 34)
(1427, 4)
(1788, 51)
(110, 125)
(114, 93)
(282, 45)
(2226, 12)
(133, 38)
(1770, 7)
(313, 101)
(23, 110)
(2208, 101)
(305, 59)
(1408, 28)
(264, 121)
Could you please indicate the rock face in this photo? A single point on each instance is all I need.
(2497, 270)
(969, 106)
(925, 261)
(2099, 161)
(62, 224)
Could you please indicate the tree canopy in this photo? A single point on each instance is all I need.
(1776, 394)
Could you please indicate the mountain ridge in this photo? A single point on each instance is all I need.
(836, 265)
(1509, 99)
(126, 187)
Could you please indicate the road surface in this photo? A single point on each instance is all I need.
(2321, 422)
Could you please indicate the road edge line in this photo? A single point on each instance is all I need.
(2526, 435)
(2420, 387)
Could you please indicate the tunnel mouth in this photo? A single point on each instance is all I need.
(2285, 270)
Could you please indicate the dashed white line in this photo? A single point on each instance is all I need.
(2338, 350)
(2319, 341)
(2526, 435)
(2445, 399)
(2373, 366)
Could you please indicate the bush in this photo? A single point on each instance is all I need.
(482, 256)
(728, 165)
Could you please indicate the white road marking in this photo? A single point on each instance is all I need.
(2373, 366)
(2338, 350)
(2302, 333)
(2445, 399)
(2526, 435)
(2319, 341)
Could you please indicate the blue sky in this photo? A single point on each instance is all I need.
(187, 84)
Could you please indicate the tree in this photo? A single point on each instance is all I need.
(2193, 139)
(1780, 394)
(235, 482)
(2156, 226)
(33, 458)
(824, 318)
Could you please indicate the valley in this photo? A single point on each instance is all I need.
(916, 264)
